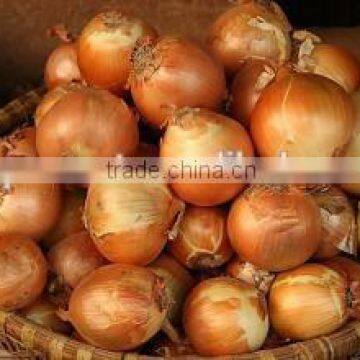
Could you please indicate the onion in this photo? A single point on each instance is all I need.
(247, 87)
(338, 223)
(51, 98)
(74, 257)
(130, 223)
(69, 128)
(173, 72)
(308, 302)
(43, 313)
(70, 220)
(252, 29)
(332, 61)
(275, 227)
(105, 46)
(250, 274)
(23, 272)
(178, 282)
(202, 240)
(302, 115)
(118, 307)
(196, 133)
(147, 150)
(345, 267)
(224, 316)
(29, 209)
(20, 143)
(166, 349)
(353, 148)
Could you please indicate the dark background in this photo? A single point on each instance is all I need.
(23, 24)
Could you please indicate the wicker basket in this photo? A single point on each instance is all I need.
(26, 340)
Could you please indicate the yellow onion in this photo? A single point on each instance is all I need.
(332, 61)
(353, 148)
(338, 222)
(173, 73)
(252, 29)
(29, 209)
(44, 313)
(250, 274)
(118, 307)
(23, 272)
(302, 115)
(202, 240)
(105, 46)
(248, 84)
(178, 282)
(20, 143)
(224, 316)
(199, 133)
(74, 257)
(308, 302)
(69, 128)
(130, 223)
(274, 227)
(70, 220)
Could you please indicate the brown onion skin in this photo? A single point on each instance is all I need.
(232, 40)
(274, 228)
(20, 143)
(69, 128)
(70, 220)
(345, 267)
(246, 90)
(336, 63)
(338, 223)
(29, 209)
(308, 302)
(178, 283)
(174, 72)
(147, 150)
(224, 316)
(118, 307)
(105, 46)
(74, 257)
(202, 240)
(130, 223)
(293, 112)
(44, 313)
(201, 133)
(62, 66)
(23, 272)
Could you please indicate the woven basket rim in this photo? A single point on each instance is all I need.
(338, 345)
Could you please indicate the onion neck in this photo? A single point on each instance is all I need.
(61, 33)
(170, 331)
(113, 19)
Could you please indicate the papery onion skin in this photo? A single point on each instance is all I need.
(338, 223)
(29, 209)
(74, 257)
(308, 302)
(105, 46)
(236, 35)
(247, 87)
(69, 128)
(62, 66)
(202, 240)
(224, 316)
(51, 98)
(23, 272)
(250, 274)
(336, 63)
(70, 220)
(178, 282)
(196, 133)
(174, 72)
(20, 143)
(274, 227)
(345, 267)
(118, 307)
(130, 223)
(44, 313)
(293, 113)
